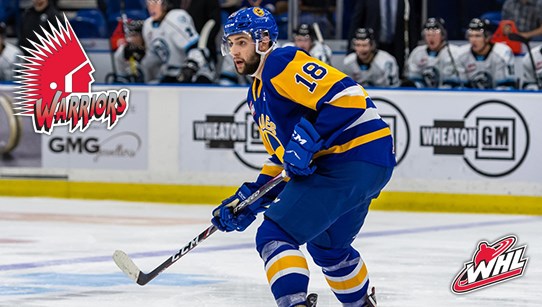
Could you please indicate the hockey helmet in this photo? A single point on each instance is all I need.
(433, 23)
(305, 29)
(365, 33)
(254, 21)
(482, 25)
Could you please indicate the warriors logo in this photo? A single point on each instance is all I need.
(55, 85)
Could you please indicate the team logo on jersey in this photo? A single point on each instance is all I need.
(55, 85)
(491, 264)
(493, 138)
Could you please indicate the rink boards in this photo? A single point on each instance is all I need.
(461, 151)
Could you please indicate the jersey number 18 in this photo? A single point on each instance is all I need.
(314, 71)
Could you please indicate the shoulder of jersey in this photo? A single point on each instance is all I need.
(419, 49)
(463, 49)
(147, 22)
(12, 49)
(350, 58)
(385, 55)
(278, 59)
(503, 50)
(178, 17)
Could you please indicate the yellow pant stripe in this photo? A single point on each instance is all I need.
(283, 265)
(353, 282)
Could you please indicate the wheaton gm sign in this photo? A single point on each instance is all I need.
(492, 138)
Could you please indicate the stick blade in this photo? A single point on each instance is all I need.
(126, 264)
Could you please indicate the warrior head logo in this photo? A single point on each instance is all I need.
(57, 63)
(55, 84)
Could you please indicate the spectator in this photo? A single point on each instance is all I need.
(266, 4)
(8, 56)
(201, 11)
(230, 6)
(433, 64)
(527, 14)
(386, 18)
(171, 54)
(128, 55)
(9, 11)
(369, 66)
(35, 17)
(485, 65)
(305, 38)
(320, 12)
(531, 80)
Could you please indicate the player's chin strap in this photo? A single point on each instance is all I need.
(263, 55)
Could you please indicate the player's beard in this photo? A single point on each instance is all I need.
(251, 65)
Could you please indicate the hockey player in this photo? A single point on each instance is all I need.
(323, 129)
(369, 66)
(433, 65)
(531, 80)
(485, 65)
(8, 56)
(128, 55)
(171, 41)
(305, 38)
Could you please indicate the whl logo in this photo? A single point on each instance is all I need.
(490, 265)
(55, 85)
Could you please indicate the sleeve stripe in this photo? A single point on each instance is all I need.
(368, 115)
(364, 139)
(355, 90)
(352, 102)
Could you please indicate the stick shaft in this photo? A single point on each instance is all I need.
(130, 269)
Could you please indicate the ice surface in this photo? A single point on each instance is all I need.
(57, 252)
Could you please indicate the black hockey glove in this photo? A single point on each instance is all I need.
(131, 50)
(188, 71)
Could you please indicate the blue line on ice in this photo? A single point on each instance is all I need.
(368, 234)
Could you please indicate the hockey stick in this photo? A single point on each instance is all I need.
(134, 74)
(318, 33)
(126, 264)
(103, 9)
(325, 57)
(205, 32)
(519, 38)
(406, 19)
(454, 66)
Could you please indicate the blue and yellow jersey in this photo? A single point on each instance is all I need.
(295, 85)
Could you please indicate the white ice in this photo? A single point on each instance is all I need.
(57, 252)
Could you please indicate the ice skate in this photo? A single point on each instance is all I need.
(371, 298)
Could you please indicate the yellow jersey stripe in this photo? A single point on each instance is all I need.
(355, 142)
(256, 88)
(357, 102)
(282, 265)
(353, 282)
